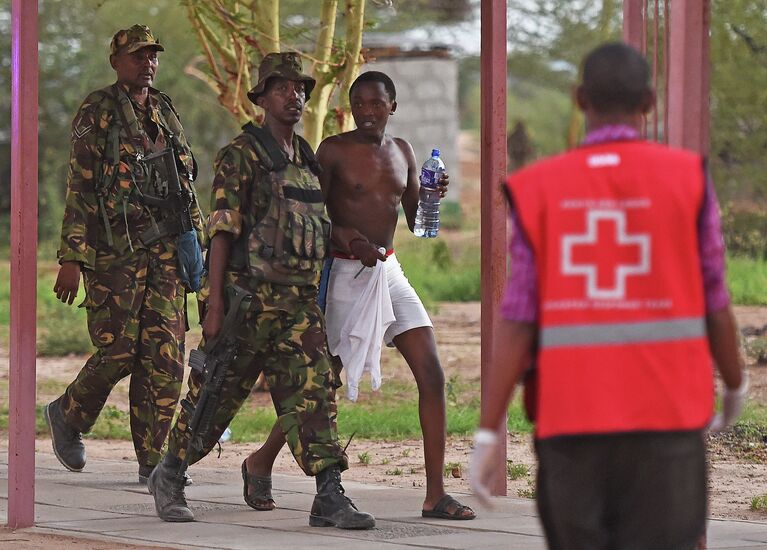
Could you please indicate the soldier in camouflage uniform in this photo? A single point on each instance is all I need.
(269, 234)
(121, 232)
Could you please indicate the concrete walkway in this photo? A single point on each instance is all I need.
(106, 503)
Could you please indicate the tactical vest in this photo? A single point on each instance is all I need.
(622, 344)
(116, 177)
(290, 242)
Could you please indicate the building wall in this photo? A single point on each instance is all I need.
(427, 108)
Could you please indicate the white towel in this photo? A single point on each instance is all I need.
(359, 346)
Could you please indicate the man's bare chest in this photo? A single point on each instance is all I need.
(386, 178)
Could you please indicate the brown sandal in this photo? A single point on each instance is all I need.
(261, 497)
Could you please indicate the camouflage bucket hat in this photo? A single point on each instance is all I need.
(285, 65)
(135, 38)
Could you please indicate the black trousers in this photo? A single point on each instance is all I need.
(631, 491)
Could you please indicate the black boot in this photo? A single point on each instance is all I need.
(67, 442)
(332, 508)
(167, 487)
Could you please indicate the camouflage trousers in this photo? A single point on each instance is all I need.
(282, 336)
(136, 320)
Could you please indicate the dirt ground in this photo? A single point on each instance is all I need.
(737, 474)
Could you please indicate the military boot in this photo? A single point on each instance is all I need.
(331, 507)
(144, 471)
(167, 488)
(67, 442)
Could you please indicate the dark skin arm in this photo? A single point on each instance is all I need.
(723, 342)
(220, 245)
(67, 282)
(513, 347)
(410, 196)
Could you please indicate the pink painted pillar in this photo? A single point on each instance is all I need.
(21, 432)
(633, 22)
(493, 225)
(689, 75)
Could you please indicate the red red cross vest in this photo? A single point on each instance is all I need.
(622, 342)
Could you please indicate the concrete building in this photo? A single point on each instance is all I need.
(426, 78)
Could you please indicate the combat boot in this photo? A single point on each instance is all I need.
(144, 471)
(331, 507)
(67, 442)
(167, 488)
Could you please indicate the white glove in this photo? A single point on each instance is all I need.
(483, 464)
(733, 402)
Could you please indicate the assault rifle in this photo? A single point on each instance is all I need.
(178, 200)
(212, 363)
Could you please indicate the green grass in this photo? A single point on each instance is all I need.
(61, 329)
(759, 503)
(439, 273)
(516, 471)
(747, 280)
(391, 416)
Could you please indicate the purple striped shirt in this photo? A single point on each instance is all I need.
(520, 299)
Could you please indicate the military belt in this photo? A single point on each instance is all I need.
(160, 230)
(157, 202)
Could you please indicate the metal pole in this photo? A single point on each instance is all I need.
(493, 225)
(633, 23)
(21, 410)
(689, 76)
(634, 29)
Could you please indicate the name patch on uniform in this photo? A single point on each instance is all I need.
(603, 159)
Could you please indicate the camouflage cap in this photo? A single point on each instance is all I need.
(135, 38)
(286, 65)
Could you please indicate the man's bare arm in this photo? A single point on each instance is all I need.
(513, 348)
(220, 246)
(410, 196)
(326, 161)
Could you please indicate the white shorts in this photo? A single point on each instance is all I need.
(344, 290)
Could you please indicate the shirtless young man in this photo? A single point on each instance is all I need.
(366, 175)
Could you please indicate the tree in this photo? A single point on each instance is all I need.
(236, 34)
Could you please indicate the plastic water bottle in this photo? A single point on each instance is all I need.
(226, 436)
(427, 215)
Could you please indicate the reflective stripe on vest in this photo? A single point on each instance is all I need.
(623, 333)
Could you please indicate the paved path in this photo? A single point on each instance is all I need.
(106, 503)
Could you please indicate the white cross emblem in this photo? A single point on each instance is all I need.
(621, 239)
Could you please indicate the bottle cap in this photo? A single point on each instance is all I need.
(435, 152)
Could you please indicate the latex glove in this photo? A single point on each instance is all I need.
(733, 401)
(483, 464)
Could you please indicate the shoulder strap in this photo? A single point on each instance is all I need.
(308, 156)
(166, 103)
(127, 117)
(275, 160)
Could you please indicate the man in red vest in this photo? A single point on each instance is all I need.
(617, 291)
